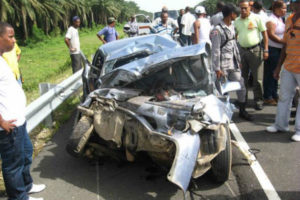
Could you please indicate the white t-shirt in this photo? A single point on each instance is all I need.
(204, 30)
(263, 16)
(73, 35)
(187, 21)
(12, 97)
(279, 30)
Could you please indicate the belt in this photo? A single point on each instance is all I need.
(252, 47)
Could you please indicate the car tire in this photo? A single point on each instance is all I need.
(221, 164)
(80, 136)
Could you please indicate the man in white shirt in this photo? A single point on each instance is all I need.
(201, 27)
(73, 43)
(187, 22)
(258, 9)
(15, 145)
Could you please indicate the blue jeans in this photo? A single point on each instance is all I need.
(271, 84)
(288, 83)
(16, 153)
(186, 40)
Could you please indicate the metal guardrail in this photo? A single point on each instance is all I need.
(42, 107)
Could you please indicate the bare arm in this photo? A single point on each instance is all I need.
(271, 33)
(67, 41)
(266, 44)
(102, 40)
(19, 57)
(196, 32)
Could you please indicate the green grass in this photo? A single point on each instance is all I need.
(49, 61)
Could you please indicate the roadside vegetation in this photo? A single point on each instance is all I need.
(49, 61)
(53, 17)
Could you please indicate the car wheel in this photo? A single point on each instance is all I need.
(221, 164)
(80, 136)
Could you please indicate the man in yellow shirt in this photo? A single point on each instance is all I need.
(12, 58)
(290, 74)
(249, 27)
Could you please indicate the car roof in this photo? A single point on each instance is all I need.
(124, 47)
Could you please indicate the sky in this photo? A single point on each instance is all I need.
(156, 5)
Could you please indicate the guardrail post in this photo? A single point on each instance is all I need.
(45, 87)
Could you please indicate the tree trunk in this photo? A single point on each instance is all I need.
(24, 20)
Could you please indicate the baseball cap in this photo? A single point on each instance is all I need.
(200, 10)
(75, 18)
(111, 20)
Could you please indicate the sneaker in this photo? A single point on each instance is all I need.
(36, 188)
(272, 129)
(33, 198)
(296, 137)
(258, 105)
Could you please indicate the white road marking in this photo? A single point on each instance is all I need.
(255, 166)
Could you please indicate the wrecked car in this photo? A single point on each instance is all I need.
(164, 102)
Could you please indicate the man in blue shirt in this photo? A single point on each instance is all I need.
(109, 32)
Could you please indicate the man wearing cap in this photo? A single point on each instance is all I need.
(132, 27)
(187, 22)
(201, 27)
(226, 57)
(249, 27)
(73, 43)
(109, 32)
(290, 74)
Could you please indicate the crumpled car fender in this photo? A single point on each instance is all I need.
(187, 149)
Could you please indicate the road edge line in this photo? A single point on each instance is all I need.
(255, 166)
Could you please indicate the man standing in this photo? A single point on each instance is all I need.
(181, 13)
(72, 41)
(187, 22)
(12, 58)
(249, 27)
(201, 27)
(109, 32)
(133, 28)
(226, 57)
(165, 25)
(15, 145)
(290, 75)
(258, 9)
(218, 17)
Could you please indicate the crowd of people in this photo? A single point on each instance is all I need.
(249, 46)
(244, 41)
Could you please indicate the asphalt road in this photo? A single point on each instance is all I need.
(78, 179)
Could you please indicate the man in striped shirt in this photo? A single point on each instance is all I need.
(290, 75)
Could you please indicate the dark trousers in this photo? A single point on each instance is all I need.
(76, 62)
(16, 153)
(252, 60)
(186, 40)
(271, 84)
